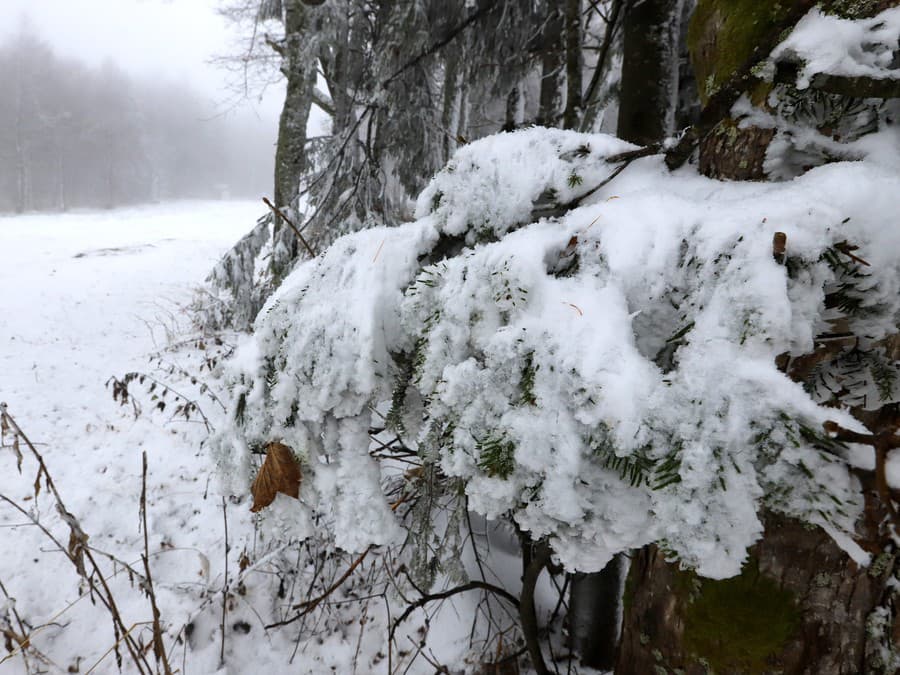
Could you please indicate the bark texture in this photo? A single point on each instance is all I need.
(735, 153)
(553, 61)
(649, 71)
(594, 603)
(800, 606)
(290, 152)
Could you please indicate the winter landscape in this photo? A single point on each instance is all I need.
(517, 337)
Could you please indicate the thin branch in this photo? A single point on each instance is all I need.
(281, 215)
(323, 101)
(159, 649)
(78, 549)
(430, 597)
(443, 42)
(612, 25)
(527, 612)
(224, 585)
(308, 606)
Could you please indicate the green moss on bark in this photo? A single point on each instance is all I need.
(723, 33)
(736, 625)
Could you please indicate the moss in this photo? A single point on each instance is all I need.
(822, 580)
(737, 624)
(723, 34)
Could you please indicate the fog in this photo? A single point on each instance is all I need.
(78, 129)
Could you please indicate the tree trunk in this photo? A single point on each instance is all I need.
(647, 106)
(572, 114)
(649, 71)
(290, 152)
(552, 66)
(800, 605)
(594, 604)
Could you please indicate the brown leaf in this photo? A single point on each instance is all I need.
(280, 472)
(779, 246)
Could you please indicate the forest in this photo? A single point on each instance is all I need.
(76, 136)
(568, 343)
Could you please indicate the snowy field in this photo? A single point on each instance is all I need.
(85, 296)
(93, 295)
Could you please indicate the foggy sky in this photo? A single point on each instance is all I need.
(168, 39)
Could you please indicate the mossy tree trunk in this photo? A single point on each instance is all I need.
(800, 605)
(723, 36)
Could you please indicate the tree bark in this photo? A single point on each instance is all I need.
(290, 153)
(572, 113)
(535, 556)
(800, 605)
(552, 66)
(649, 71)
(594, 602)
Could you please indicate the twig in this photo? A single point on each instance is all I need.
(125, 636)
(224, 585)
(281, 215)
(626, 158)
(430, 597)
(77, 550)
(308, 606)
(159, 649)
(23, 638)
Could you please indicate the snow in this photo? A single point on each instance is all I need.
(85, 296)
(605, 377)
(662, 259)
(89, 295)
(825, 43)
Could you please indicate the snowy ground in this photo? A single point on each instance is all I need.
(87, 296)
(84, 296)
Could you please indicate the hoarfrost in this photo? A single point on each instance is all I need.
(608, 378)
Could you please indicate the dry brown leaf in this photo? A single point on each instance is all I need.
(779, 246)
(280, 472)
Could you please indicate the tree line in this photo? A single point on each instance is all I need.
(72, 136)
